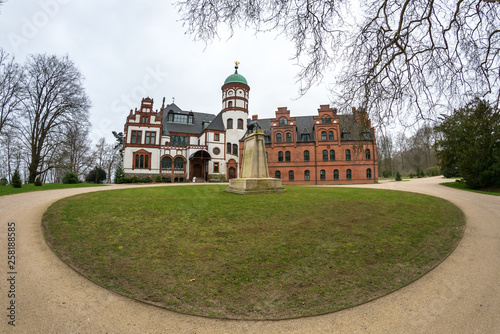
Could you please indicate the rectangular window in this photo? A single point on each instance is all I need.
(305, 137)
(216, 137)
(216, 167)
(179, 140)
(136, 137)
(150, 138)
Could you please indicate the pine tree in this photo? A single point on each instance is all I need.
(16, 180)
(119, 174)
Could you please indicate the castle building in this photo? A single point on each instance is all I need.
(185, 146)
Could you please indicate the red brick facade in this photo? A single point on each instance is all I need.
(324, 149)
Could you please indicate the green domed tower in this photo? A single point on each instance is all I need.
(235, 92)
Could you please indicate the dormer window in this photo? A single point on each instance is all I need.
(180, 118)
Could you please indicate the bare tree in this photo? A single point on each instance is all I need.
(395, 57)
(106, 157)
(385, 150)
(10, 87)
(54, 97)
(11, 153)
(73, 153)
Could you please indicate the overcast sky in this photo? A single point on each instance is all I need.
(129, 50)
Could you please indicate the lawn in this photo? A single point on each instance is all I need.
(200, 250)
(462, 186)
(10, 190)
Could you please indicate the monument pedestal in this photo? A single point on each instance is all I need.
(254, 172)
(255, 186)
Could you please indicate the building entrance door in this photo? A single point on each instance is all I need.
(197, 171)
(232, 172)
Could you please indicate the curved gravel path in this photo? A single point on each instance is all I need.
(462, 295)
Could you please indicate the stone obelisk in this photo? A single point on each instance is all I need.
(254, 175)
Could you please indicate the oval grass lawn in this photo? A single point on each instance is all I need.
(200, 250)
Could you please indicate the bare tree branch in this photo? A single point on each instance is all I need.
(396, 57)
(10, 88)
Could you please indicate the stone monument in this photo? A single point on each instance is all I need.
(254, 176)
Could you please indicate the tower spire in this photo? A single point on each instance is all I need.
(236, 65)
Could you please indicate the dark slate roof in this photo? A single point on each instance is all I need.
(198, 121)
(305, 125)
(217, 123)
(355, 131)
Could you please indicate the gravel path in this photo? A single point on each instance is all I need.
(462, 295)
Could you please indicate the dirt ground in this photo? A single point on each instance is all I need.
(462, 295)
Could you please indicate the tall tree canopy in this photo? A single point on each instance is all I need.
(54, 97)
(395, 56)
(469, 143)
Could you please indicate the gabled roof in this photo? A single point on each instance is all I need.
(217, 123)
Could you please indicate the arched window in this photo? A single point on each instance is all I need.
(235, 149)
(325, 155)
(367, 154)
(228, 148)
(142, 161)
(283, 121)
(277, 174)
(288, 137)
(348, 174)
(368, 173)
(178, 163)
(229, 123)
(332, 155)
(146, 161)
(278, 137)
(137, 161)
(290, 175)
(306, 155)
(328, 119)
(240, 123)
(330, 135)
(336, 174)
(280, 156)
(323, 135)
(306, 175)
(322, 174)
(166, 163)
(348, 154)
(287, 156)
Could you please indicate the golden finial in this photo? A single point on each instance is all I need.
(236, 64)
